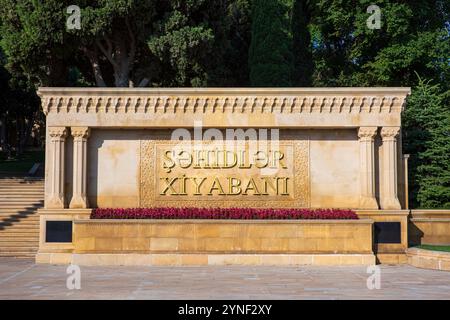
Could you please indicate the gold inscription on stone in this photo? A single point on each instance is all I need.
(198, 163)
(215, 174)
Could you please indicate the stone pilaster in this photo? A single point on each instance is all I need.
(367, 167)
(389, 199)
(79, 197)
(56, 173)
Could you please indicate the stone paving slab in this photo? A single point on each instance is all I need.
(22, 279)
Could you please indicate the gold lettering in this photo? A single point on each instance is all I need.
(171, 164)
(234, 186)
(199, 157)
(183, 185)
(285, 186)
(169, 186)
(213, 187)
(226, 164)
(187, 159)
(278, 156)
(242, 161)
(264, 158)
(252, 187)
(268, 182)
(198, 185)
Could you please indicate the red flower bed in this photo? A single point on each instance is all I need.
(221, 213)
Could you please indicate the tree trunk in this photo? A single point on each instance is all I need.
(120, 52)
(92, 55)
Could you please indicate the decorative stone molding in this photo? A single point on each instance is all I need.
(79, 198)
(56, 176)
(367, 167)
(283, 107)
(389, 199)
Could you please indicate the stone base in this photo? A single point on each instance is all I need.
(428, 259)
(204, 259)
(429, 227)
(392, 258)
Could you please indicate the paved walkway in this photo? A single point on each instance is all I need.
(21, 279)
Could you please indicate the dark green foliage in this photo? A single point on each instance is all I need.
(413, 38)
(270, 55)
(301, 44)
(427, 139)
(125, 42)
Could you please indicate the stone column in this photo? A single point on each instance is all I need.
(367, 167)
(79, 197)
(56, 173)
(389, 199)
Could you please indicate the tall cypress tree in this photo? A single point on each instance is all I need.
(270, 54)
(303, 60)
(427, 135)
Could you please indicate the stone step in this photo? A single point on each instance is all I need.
(30, 215)
(4, 207)
(19, 255)
(21, 199)
(25, 249)
(34, 244)
(23, 225)
(14, 221)
(23, 222)
(19, 232)
(27, 192)
(22, 230)
(19, 213)
(10, 187)
(21, 183)
(25, 209)
(20, 177)
(16, 181)
(19, 203)
(19, 236)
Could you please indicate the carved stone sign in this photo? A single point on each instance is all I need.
(215, 174)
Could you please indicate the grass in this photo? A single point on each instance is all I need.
(22, 163)
(434, 247)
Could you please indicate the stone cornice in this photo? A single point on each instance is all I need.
(221, 100)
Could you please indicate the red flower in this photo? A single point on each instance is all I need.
(221, 213)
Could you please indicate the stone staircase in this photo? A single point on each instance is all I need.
(20, 197)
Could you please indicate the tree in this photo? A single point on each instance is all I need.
(120, 42)
(301, 44)
(413, 37)
(427, 136)
(19, 111)
(270, 54)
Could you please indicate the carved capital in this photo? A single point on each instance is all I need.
(389, 133)
(80, 132)
(367, 133)
(57, 132)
